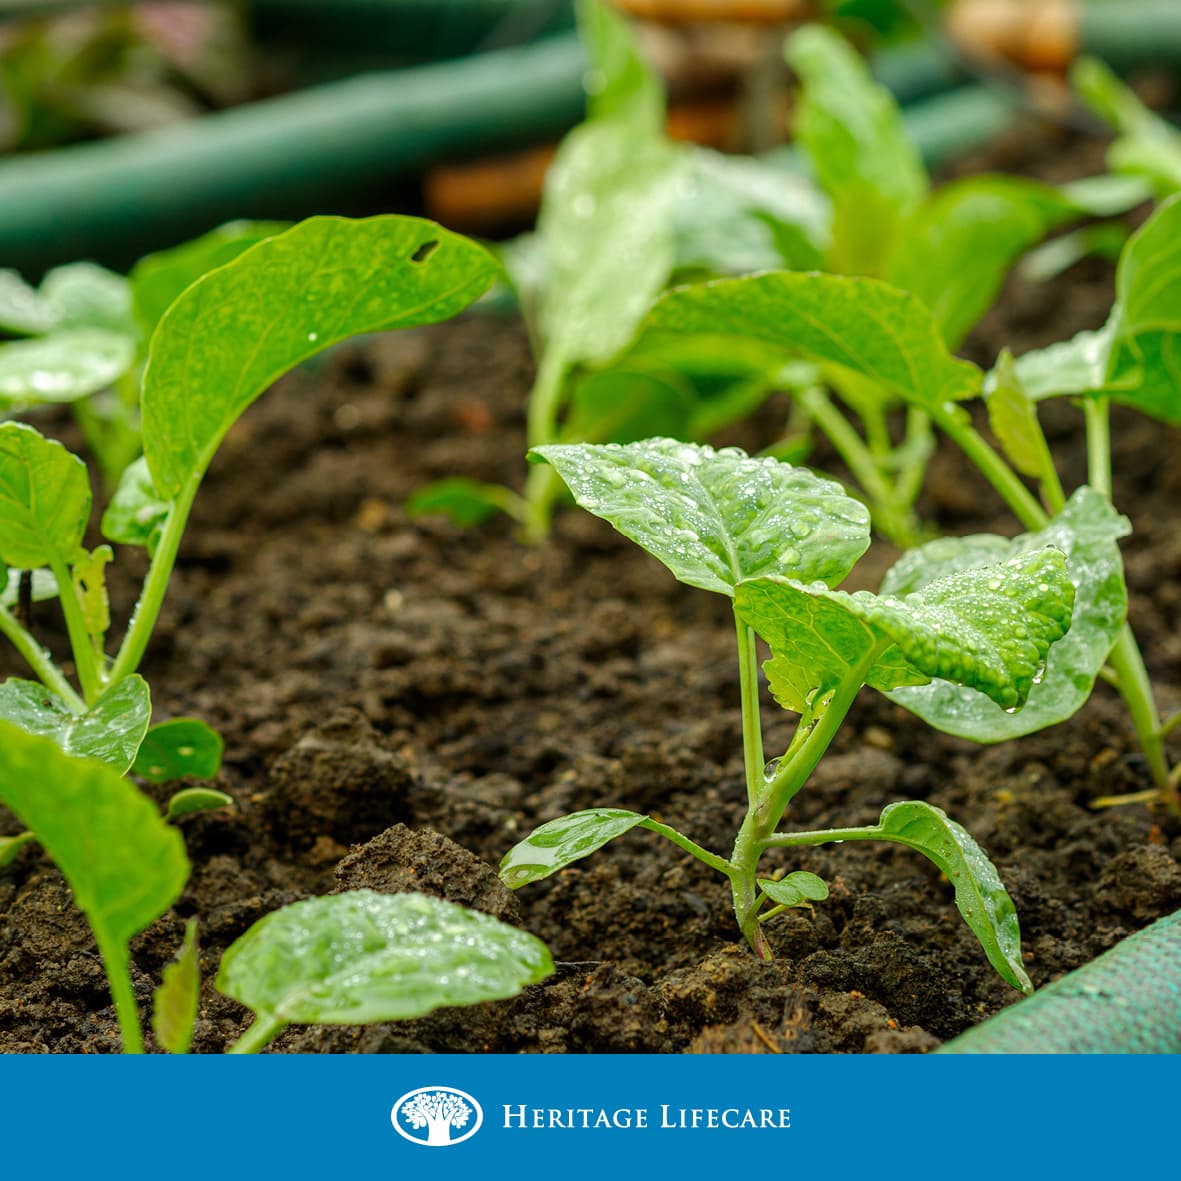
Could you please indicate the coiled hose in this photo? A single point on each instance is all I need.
(1127, 1001)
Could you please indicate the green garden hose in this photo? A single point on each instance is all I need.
(320, 150)
(1127, 1001)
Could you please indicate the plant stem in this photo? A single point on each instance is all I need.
(261, 1031)
(893, 519)
(954, 422)
(1097, 412)
(117, 963)
(39, 660)
(1126, 660)
(677, 838)
(80, 641)
(918, 444)
(545, 398)
(775, 794)
(1136, 690)
(151, 599)
(793, 771)
(752, 725)
(824, 836)
(1170, 724)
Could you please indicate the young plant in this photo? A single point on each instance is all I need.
(885, 336)
(777, 540)
(220, 345)
(347, 959)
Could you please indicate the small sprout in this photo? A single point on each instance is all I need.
(777, 540)
(196, 799)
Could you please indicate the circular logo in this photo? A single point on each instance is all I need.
(436, 1116)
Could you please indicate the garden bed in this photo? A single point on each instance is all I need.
(368, 672)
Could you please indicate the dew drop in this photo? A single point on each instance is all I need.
(313, 336)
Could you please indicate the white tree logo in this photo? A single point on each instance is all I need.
(436, 1116)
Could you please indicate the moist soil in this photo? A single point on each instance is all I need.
(402, 701)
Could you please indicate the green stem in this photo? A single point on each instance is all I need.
(40, 661)
(825, 836)
(545, 398)
(1170, 724)
(1136, 690)
(677, 838)
(794, 769)
(752, 725)
(543, 487)
(1097, 412)
(262, 1031)
(891, 517)
(954, 422)
(118, 967)
(81, 643)
(151, 599)
(1126, 660)
(918, 444)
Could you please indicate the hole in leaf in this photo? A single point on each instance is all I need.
(425, 251)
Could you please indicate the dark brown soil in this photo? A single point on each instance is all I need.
(402, 701)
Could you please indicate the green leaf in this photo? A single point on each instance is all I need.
(559, 843)
(110, 731)
(717, 517)
(1013, 418)
(44, 499)
(175, 1002)
(960, 243)
(192, 800)
(62, 368)
(83, 295)
(277, 304)
(178, 748)
(797, 889)
(360, 956)
(619, 83)
(606, 237)
(869, 327)
(852, 132)
(989, 628)
(979, 894)
(78, 295)
(1136, 357)
(125, 866)
(1086, 531)
(137, 513)
(738, 214)
(1147, 146)
(1144, 368)
(465, 502)
(21, 309)
(11, 846)
(157, 280)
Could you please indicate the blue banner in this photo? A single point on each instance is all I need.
(570, 1117)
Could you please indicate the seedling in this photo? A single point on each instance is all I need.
(224, 341)
(347, 959)
(884, 336)
(777, 539)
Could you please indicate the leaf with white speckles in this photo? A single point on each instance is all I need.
(989, 628)
(715, 518)
(282, 301)
(1087, 532)
(361, 956)
(559, 843)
